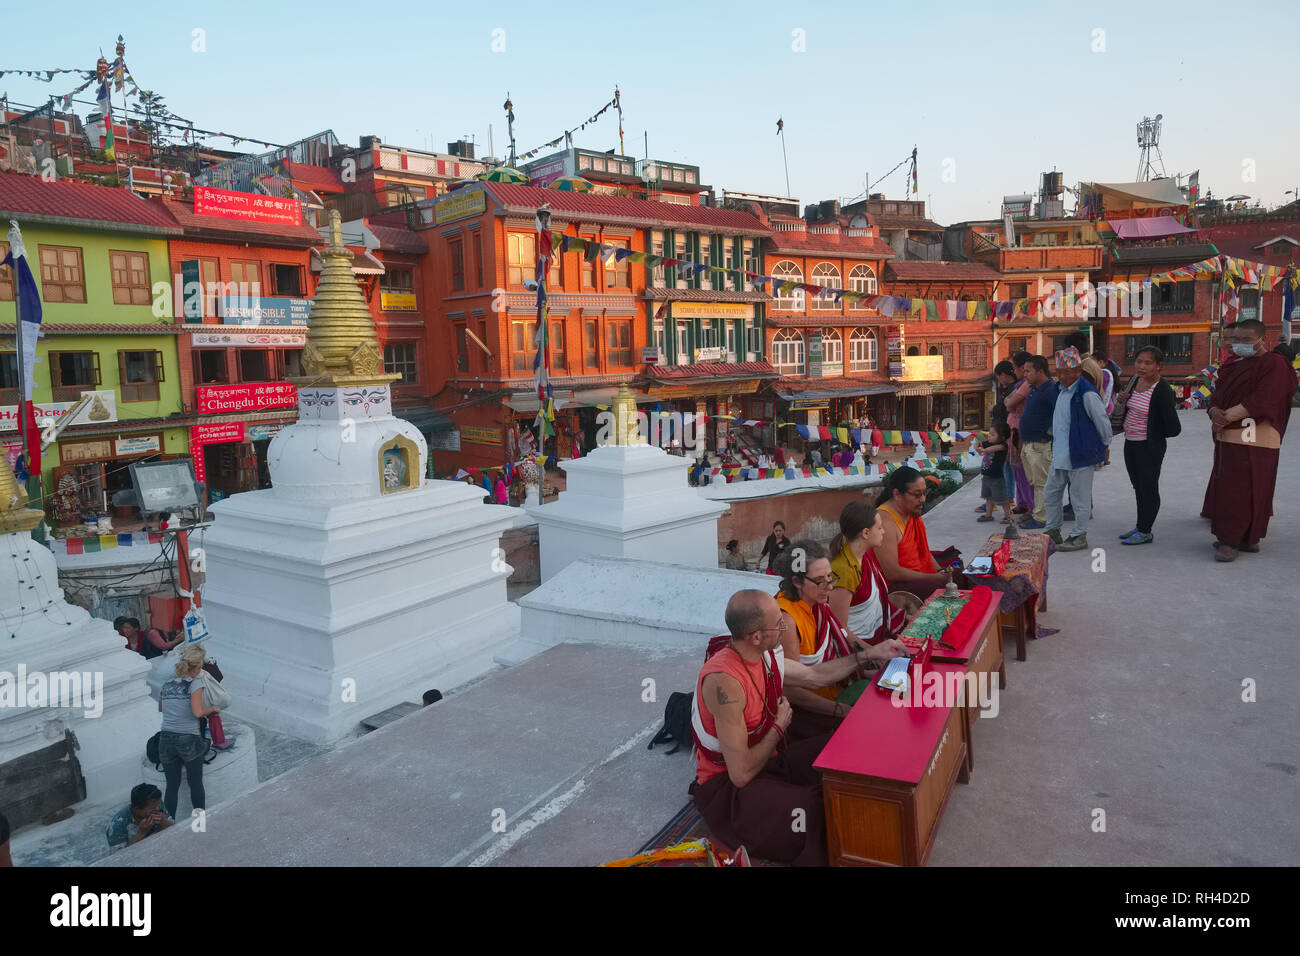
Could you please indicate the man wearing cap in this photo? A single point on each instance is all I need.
(1081, 433)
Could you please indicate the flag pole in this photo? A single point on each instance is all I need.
(14, 248)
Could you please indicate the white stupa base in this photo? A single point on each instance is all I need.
(232, 772)
(322, 614)
(53, 637)
(627, 501)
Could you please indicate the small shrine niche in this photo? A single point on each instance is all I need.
(399, 465)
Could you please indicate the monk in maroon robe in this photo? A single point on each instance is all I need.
(1248, 415)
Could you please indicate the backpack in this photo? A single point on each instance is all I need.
(677, 722)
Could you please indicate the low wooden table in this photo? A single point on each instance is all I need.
(887, 774)
(1023, 585)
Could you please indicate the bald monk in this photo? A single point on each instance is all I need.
(904, 554)
(748, 782)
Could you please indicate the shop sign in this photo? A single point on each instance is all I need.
(544, 173)
(75, 451)
(480, 435)
(446, 440)
(464, 202)
(397, 301)
(264, 310)
(922, 368)
(102, 408)
(216, 434)
(246, 206)
(214, 399)
(713, 354)
(138, 445)
(712, 310)
(650, 356)
(263, 432)
(815, 355)
(261, 340)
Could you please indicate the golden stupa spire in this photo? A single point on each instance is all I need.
(341, 345)
(626, 427)
(14, 513)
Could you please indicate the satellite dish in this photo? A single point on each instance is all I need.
(1159, 116)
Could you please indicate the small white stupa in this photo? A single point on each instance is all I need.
(56, 650)
(352, 584)
(627, 499)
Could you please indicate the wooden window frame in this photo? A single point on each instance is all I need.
(255, 289)
(618, 353)
(618, 273)
(146, 391)
(478, 258)
(275, 281)
(590, 343)
(9, 395)
(400, 363)
(822, 303)
(48, 285)
(871, 362)
(272, 373)
(198, 365)
(70, 393)
(456, 259)
(522, 351)
(517, 269)
(133, 289)
(558, 353)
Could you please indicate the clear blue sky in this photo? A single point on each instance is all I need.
(1001, 90)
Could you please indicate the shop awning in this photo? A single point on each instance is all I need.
(842, 391)
(424, 418)
(1151, 228)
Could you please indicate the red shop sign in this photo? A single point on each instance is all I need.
(216, 434)
(214, 399)
(246, 206)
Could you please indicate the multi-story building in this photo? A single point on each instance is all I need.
(98, 255)
(688, 341)
(1270, 238)
(829, 352)
(903, 225)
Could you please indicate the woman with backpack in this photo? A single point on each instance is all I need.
(1148, 414)
(181, 743)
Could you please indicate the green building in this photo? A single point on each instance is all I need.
(100, 259)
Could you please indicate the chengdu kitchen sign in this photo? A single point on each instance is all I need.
(215, 399)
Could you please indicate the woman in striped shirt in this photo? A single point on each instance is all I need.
(1151, 417)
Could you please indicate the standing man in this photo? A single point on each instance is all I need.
(1036, 436)
(1248, 417)
(1080, 434)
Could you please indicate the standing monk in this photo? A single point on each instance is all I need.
(1248, 416)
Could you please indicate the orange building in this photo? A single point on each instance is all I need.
(609, 320)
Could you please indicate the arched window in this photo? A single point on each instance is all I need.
(787, 271)
(862, 351)
(862, 279)
(832, 353)
(934, 350)
(787, 352)
(826, 275)
(913, 350)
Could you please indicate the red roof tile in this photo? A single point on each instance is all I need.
(269, 233)
(704, 295)
(80, 328)
(33, 198)
(397, 239)
(589, 207)
(885, 221)
(316, 178)
(849, 247)
(941, 271)
(713, 370)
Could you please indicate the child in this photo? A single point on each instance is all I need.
(992, 484)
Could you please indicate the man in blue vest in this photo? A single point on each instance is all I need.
(1081, 433)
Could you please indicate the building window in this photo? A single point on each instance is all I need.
(832, 353)
(248, 274)
(62, 278)
(1173, 297)
(787, 271)
(588, 265)
(462, 347)
(521, 257)
(456, 252)
(828, 277)
(210, 367)
(398, 280)
(706, 251)
(913, 350)
(708, 334)
(862, 279)
(727, 280)
(287, 281)
(8, 378)
(946, 350)
(555, 275)
(679, 252)
(254, 365)
(139, 374)
(787, 352)
(683, 342)
(619, 337)
(399, 357)
(617, 271)
(1177, 347)
(557, 347)
(478, 259)
(6, 276)
(731, 341)
(1018, 290)
(657, 248)
(130, 274)
(523, 345)
(862, 351)
(974, 355)
(749, 263)
(755, 336)
(590, 355)
(71, 373)
(291, 363)
(210, 278)
(660, 339)
(1020, 344)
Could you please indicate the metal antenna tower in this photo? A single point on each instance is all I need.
(1148, 132)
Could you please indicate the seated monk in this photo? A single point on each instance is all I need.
(813, 634)
(861, 599)
(904, 554)
(749, 781)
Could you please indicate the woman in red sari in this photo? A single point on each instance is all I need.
(861, 597)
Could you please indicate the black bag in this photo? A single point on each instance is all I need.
(1120, 408)
(677, 722)
(151, 751)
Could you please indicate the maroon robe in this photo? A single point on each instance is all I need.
(1239, 496)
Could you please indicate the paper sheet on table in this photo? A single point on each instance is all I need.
(980, 565)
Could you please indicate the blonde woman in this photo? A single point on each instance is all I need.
(181, 742)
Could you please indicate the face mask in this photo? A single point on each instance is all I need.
(1243, 350)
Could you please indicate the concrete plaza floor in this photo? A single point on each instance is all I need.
(1134, 708)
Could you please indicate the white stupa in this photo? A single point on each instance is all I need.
(352, 584)
(58, 649)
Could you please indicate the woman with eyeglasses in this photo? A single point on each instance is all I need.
(813, 634)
